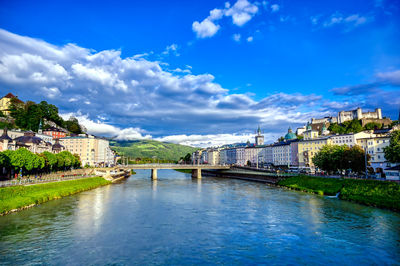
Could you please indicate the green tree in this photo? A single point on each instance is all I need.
(50, 160)
(354, 157)
(392, 152)
(72, 124)
(187, 158)
(372, 125)
(333, 158)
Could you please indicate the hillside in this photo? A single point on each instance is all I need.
(150, 148)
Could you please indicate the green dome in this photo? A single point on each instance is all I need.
(290, 135)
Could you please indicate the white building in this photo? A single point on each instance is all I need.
(240, 156)
(92, 151)
(251, 155)
(374, 146)
(213, 157)
(223, 157)
(281, 154)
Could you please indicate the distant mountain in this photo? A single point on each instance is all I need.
(150, 148)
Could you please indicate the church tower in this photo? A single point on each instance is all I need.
(259, 137)
(40, 130)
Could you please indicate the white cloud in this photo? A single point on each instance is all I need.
(351, 21)
(51, 92)
(173, 48)
(211, 140)
(236, 37)
(392, 77)
(249, 39)
(205, 29)
(137, 93)
(274, 8)
(101, 128)
(241, 12)
(216, 14)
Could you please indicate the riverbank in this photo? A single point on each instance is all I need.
(21, 197)
(381, 194)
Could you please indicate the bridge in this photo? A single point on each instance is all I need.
(196, 168)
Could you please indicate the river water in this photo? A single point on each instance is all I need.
(180, 220)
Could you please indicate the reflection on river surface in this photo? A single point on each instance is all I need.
(179, 220)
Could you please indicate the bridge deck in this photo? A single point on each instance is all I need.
(174, 166)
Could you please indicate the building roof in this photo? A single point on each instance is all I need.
(54, 129)
(57, 145)
(10, 95)
(5, 136)
(28, 137)
(290, 135)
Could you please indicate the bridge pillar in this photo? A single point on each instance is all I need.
(154, 174)
(196, 173)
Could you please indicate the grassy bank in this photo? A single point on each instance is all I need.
(368, 192)
(13, 198)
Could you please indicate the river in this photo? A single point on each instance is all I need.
(180, 220)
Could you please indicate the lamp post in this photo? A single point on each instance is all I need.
(366, 162)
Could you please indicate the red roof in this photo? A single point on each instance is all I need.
(10, 95)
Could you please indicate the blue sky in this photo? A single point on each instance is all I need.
(201, 72)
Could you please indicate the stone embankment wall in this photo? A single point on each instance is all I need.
(74, 172)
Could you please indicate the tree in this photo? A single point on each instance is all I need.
(354, 157)
(333, 158)
(372, 125)
(72, 124)
(392, 152)
(50, 160)
(187, 158)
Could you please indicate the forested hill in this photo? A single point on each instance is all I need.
(150, 148)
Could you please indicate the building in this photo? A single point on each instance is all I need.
(365, 117)
(231, 156)
(310, 133)
(267, 155)
(223, 157)
(307, 149)
(393, 173)
(350, 139)
(259, 139)
(374, 146)
(251, 156)
(196, 157)
(33, 143)
(213, 157)
(240, 156)
(92, 151)
(204, 156)
(55, 133)
(281, 153)
(6, 102)
(6, 143)
(57, 147)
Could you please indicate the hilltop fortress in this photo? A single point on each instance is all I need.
(365, 117)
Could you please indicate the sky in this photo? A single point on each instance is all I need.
(201, 73)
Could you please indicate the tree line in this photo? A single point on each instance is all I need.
(27, 116)
(26, 162)
(355, 126)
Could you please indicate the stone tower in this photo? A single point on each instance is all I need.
(259, 138)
